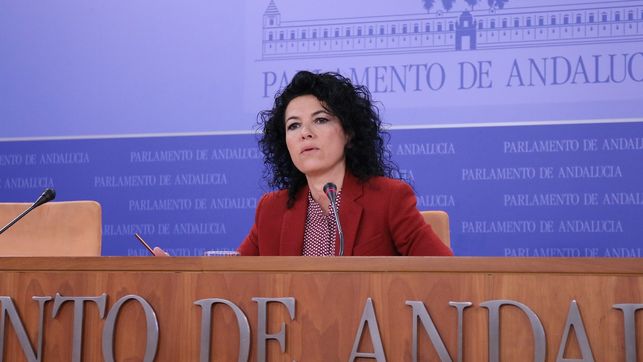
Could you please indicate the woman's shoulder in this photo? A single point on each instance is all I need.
(386, 184)
(274, 196)
(383, 181)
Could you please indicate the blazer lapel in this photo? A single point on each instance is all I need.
(291, 241)
(350, 212)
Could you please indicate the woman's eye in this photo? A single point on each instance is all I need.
(292, 126)
(321, 120)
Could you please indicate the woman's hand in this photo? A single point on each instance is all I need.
(159, 252)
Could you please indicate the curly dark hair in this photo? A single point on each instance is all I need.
(366, 153)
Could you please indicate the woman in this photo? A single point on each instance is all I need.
(323, 129)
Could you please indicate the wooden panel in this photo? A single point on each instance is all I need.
(330, 294)
(51, 222)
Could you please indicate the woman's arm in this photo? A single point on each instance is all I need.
(411, 235)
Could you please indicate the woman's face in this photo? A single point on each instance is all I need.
(314, 137)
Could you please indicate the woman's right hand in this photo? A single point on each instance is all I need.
(159, 252)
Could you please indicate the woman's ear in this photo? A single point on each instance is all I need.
(349, 139)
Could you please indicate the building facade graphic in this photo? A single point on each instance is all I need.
(492, 28)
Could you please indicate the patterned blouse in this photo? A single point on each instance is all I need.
(321, 229)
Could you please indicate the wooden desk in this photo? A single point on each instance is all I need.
(329, 296)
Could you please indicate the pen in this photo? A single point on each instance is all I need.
(144, 243)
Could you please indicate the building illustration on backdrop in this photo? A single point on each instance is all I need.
(565, 23)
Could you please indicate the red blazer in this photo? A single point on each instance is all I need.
(378, 217)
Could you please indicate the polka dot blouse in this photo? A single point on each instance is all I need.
(321, 229)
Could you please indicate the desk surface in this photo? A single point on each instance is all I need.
(325, 264)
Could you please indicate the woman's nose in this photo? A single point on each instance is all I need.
(305, 132)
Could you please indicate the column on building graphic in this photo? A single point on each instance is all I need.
(563, 24)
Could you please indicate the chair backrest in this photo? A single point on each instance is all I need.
(68, 228)
(439, 221)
